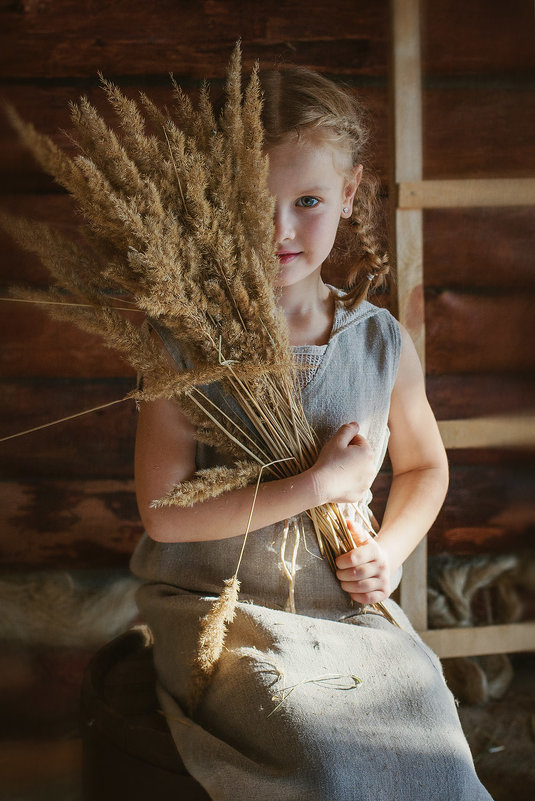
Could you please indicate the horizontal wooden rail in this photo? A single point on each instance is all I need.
(489, 432)
(466, 192)
(478, 640)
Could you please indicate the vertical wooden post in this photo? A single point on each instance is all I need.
(406, 165)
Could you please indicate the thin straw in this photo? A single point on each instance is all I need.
(66, 303)
(63, 419)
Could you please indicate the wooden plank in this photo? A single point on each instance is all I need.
(477, 248)
(479, 132)
(409, 277)
(64, 524)
(407, 166)
(36, 345)
(124, 37)
(488, 509)
(478, 640)
(478, 333)
(99, 444)
(485, 432)
(79, 522)
(466, 192)
(457, 396)
(406, 84)
(478, 38)
(413, 588)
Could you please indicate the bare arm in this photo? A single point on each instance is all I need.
(419, 484)
(165, 455)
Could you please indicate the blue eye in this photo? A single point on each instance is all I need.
(307, 202)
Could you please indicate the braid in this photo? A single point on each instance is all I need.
(369, 273)
(358, 248)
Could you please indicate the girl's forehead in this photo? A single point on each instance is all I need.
(308, 153)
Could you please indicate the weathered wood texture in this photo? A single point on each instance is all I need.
(68, 496)
(77, 524)
(99, 444)
(190, 38)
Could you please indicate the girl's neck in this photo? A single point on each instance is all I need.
(309, 312)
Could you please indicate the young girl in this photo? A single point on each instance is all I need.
(331, 702)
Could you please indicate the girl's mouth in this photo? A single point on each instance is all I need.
(286, 258)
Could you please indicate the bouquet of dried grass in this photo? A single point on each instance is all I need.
(177, 223)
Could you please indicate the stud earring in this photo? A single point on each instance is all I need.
(345, 209)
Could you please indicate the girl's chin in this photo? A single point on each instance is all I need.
(289, 278)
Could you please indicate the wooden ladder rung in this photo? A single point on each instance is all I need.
(507, 638)
(466, 192)
(489, 432)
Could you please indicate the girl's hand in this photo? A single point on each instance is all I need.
(364, 572)
(345, 467)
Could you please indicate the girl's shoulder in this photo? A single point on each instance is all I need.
(365, 312)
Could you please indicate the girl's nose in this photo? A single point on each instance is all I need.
(284, 225)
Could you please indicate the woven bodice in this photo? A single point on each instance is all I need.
(348, 379)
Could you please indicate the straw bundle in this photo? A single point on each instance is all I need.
(177, 223)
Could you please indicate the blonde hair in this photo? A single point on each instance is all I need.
(297, 100)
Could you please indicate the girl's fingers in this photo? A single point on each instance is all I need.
(358, 556)
(366, 571)
(347, 433)
(366, 586)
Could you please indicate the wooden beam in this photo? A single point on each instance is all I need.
(467, 192)
(413, 587)
(489, 432)
(406, 106)
(476, 641)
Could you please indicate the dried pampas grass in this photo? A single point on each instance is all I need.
(211, 640)
(177, 223)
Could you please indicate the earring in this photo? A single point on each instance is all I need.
(345, 210)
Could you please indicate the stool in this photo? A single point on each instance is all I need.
(128, 751)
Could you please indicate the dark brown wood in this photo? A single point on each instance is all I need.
(476, 333)
(476, 248)
(480, 248)
(99, 444)
(480, 132)
(37, 345)
(459, 396)
(192, 39)
(477, 38)
(39, 692)
(68, 524)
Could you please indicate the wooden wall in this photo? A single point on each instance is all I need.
(66, 492)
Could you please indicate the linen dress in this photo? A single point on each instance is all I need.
(326, 703)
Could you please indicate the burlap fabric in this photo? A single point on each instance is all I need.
(327, 704)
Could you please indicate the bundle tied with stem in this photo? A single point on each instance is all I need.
(177, 223)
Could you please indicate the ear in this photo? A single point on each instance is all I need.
(350, 190)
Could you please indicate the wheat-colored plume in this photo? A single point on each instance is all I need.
(211, 639)
(177, 224)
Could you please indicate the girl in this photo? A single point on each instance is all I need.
(329, 703)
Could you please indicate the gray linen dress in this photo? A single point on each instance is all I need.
(327, 703)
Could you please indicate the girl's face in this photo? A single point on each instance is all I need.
(312, 189)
